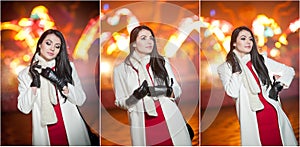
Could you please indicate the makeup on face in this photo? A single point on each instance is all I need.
(50, 47)
(244, 43)
(144, 43)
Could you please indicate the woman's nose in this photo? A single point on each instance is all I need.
(150, 41)
(249, 41)
(52, 48)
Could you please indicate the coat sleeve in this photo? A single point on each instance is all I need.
(123, 98)
(231, 81)
(76, 94)
(286, 73)
(26, 97)
(176, 88)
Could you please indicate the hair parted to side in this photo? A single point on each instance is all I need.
(157, 61)
(62, 65)
(256, 59)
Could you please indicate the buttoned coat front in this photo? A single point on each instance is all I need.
(235, 88)
(126, 80)
(74, 125)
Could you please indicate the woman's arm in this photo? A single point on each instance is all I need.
(123, 99)
(27, 95)
(176, 88)
(231, 81)
(283, 73)
(76, 94)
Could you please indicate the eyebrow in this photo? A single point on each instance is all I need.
(246, 36)
(52, 41)
(146, 36)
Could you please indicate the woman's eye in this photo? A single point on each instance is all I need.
(243, 38)
(57, 47)
(48, 43)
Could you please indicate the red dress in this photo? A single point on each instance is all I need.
(57, 132)
(157, 133)
(267, 120)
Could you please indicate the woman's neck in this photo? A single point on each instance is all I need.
(240, 54)
(139, 54)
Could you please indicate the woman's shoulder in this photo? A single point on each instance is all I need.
(72, 64)
(264, 55)
(223, 65)
(24, 72)
(166, 59)
(120, 66)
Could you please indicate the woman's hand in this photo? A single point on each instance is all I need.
(36, 82)
(141, 91)
(49, 74)
(276, 87)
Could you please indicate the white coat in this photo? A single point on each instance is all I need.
(235, 88)
(74, 125)
(125, 82)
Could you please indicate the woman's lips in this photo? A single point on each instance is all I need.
(50, 53)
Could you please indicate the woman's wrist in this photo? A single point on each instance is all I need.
(65, 90)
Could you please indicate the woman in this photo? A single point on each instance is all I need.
(253, 81)
(51, 89)
(145, 86)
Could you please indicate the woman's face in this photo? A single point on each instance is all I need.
(244, 43)
(50, 47)
(144, 43)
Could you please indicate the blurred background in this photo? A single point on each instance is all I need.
(275, 25)
(21, 25)
(176, 27)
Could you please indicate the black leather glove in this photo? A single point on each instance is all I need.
(236, 66)
(161, 90)
(36, 82)
(49, 74)
(275, 89)
(142, 91)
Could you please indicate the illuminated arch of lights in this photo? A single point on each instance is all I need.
(29, 29)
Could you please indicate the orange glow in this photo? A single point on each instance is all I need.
(25, 22)
(26, 58)
(111, 48)
(282, 39)
(294, 26)
(89, 35)
(14, 63)
(278, 45)
(105, 67)
(274, 52)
